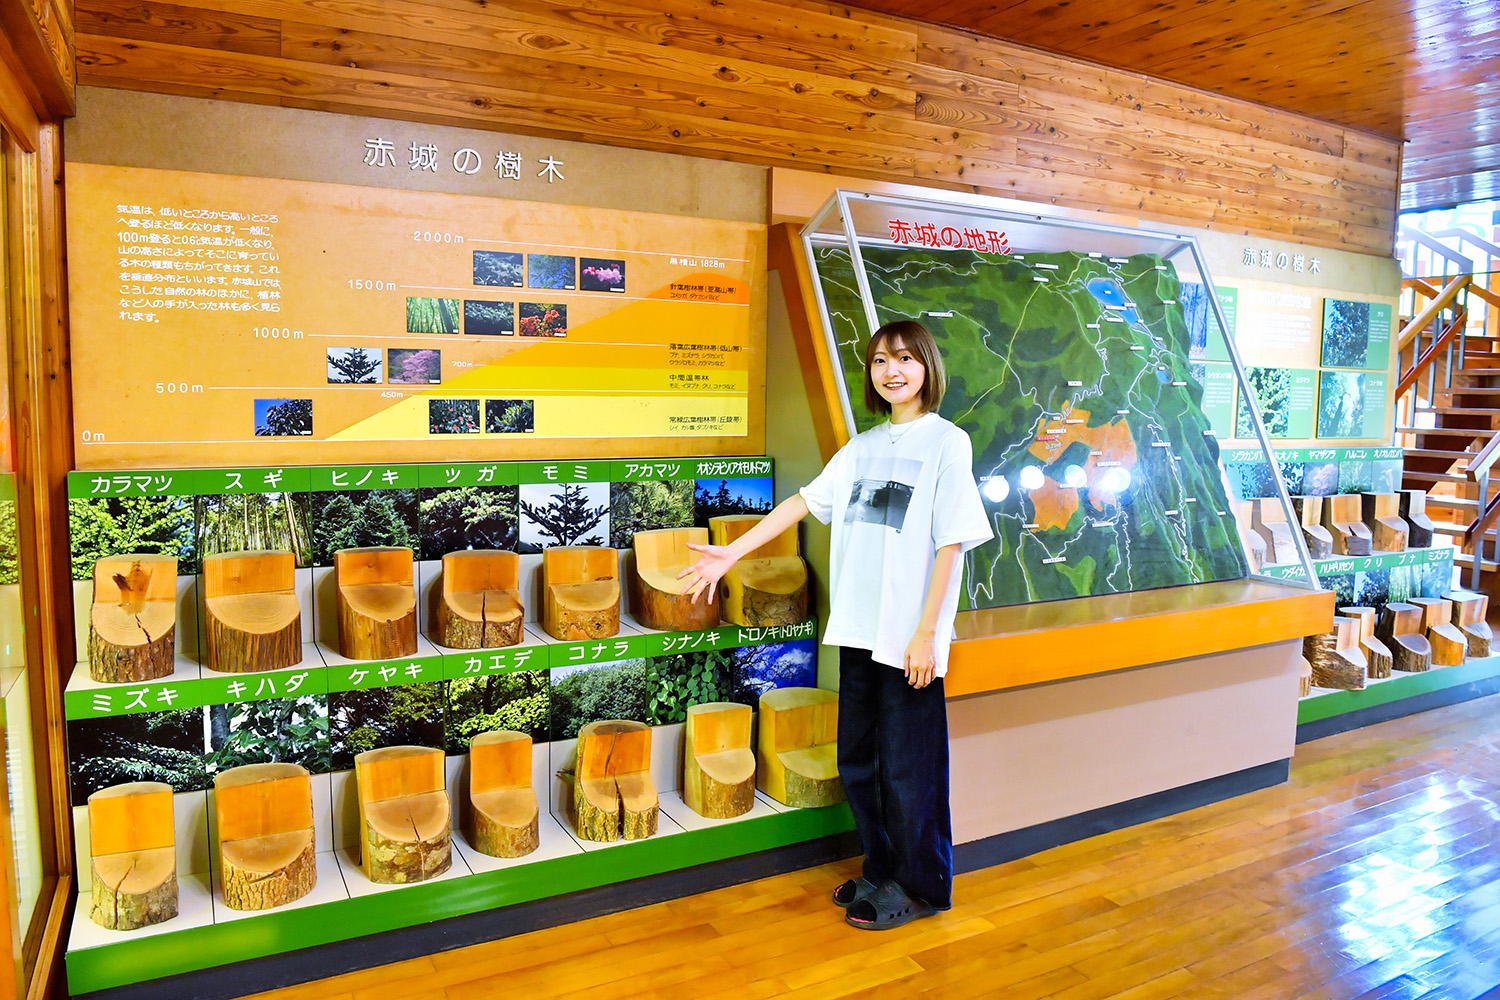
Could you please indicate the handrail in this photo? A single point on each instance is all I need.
(1427, 315)
(1481, 524)
(1439, 248)
(1478, 241)
(1430, 355)
(1421, 287)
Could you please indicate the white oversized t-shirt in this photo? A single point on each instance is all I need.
(895, 495)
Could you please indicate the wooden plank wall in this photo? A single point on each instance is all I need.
(775, 82)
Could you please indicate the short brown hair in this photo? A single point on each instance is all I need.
(919, 341)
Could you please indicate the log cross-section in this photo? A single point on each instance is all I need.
(1377, 656)
(769, 585)
(614, 797)
(797, 746)
(254, 621)
(133, 855)
(1336, 658)
(405, 827)
(1400, 628)
(1342, 518)
(501, 818)
(377, 603)
(581, 592)
(264, 815)
(1414, 513)
(718, 779)
(1268, 520)
(656, 593)
(1255, 545)
(1450, 647)
(1382, 515)
(1469, 613)
(480, 603)
(132, 622)
(1310, 515)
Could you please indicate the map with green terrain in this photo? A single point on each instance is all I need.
(1070, 373)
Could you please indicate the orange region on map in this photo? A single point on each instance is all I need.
(1055, 503)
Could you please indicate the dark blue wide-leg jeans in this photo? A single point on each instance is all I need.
(893, 760)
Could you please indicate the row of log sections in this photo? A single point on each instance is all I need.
(253, 621)
(264, 812)
(1410, 637)
(1352, 524)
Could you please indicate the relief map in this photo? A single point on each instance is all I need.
(1070, 374)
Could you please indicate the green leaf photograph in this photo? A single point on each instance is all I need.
(520, 702)
(590, 692)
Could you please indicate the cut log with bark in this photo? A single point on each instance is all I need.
(1381, 513)
(133, 618)
(1255, 546)
(613, 794)
(797, 740)
(580, 592)
(1304, 679)
(1342, 518)
(1449, 645)
(718, 779)
(133, 855)
(1435, 610)
(1414, 512)
(254, 621)
(1268, 520)
(377, 603)
(656, 593)
(1337, 661)
(264, 816)
(502, 819)
(1469, 613)
(405, 830)
(1377, 657)
(1400, 628)
(1310, 516)
(480, 603)
(769, 585)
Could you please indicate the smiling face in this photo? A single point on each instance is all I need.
(898, 377)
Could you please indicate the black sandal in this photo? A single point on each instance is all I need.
(853, 891)
(889, 907)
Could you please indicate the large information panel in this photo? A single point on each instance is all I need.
(298, 322)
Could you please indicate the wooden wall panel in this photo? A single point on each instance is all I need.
(36, 44)
(791, 83)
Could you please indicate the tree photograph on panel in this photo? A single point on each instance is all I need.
(409, 366)
(455, 518)
(110, 526)
(361, 518)
(1250, 480)
(1320, 479)
(1404, 583)
(427, 315)
(405, 715)
(646, 506)
(148, 746)
(1355, 475)
(551, 271)
(1341, 404)
(772, 665)
(453, 416)
(1195, 311)
(1372, 588)
(277, 730)
(10, 542)
(1342, 585)
(509, 416)
(353, 366)
(235, 522)
(498, 268)
(590, 692)
(563, 514)
(544, 319)
(489, 319)
(520, 702)
(1346, 333)
(601, 275)
(1437, 578)
(717, 497)
(1272, 388)
(283, 417)
(682, 680)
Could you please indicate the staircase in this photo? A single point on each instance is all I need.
(1448, 393)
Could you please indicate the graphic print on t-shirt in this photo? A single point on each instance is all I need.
(882, 491)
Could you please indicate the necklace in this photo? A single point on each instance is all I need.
(897, 431)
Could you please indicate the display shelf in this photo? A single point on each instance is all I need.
(1325, 703)
(195, 910)
(1008, 647)
(101, 963)
(553, 841)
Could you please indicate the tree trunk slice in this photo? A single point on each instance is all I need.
(760, 593)
(582, 610)
(1480, 636)
(1449, 647)
(504, 822)
(720, 785)
(596, 809)
(1410, 653)
(1389, 534)
(638, 805)
(265, 872)
(1280, 547)
(812, 776)
(127, 646)
(479, 619)
(250, 633)
(656, 593)
(407, 839)
(1380, 660)
(1304, 679)
(135, 889)
(1319, 541)
(377, 621)
(671, 611)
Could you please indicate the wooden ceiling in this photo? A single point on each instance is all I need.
(1427, 71)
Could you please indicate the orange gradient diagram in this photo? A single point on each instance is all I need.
(663, 353)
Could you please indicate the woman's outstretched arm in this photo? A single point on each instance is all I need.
(716, 560)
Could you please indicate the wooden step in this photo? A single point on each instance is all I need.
(1461, 411)
(1480, 372)
(1436, 477)
(1449, 454)
(1471, 432)
(1489, 392)
(1452, 503)
(1480, 359)
(1466, 560)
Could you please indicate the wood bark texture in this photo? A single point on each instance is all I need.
(480, 605)
(581, 592)
(1414, 512)
(1382, 514)
(253, 619)
(1304, 679)
(1435, 610)
(405, 827)
(656, 594)
(265, 872)
(1449, 646)
(613, 794)
(797, 759)
(502, 818)
(377, 604)
(769, 585)
(718, 778)
(1380, 662)
(1310, 516)
(264, 817)
(135, 889)
(1332, 667)
(132, 621)
(1341, 516)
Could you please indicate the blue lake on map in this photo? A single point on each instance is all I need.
(1106, 291)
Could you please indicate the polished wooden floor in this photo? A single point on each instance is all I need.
(1374, 873)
